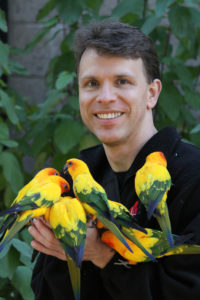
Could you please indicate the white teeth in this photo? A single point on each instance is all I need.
(109, 116)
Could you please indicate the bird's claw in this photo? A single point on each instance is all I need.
(124, 263)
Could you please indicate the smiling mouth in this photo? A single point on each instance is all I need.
(109, 115)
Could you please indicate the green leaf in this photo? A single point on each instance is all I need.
(9, 143)
(9, 263)
(64, 78)
(25, 251)
(9, 107)
(150, 23)
(127, 6)
(2, 83)
(42, 140)
(170, 100)
(161, 6)
(67, 135)
(11, 170)
(51, 22)
(36, 40)
(181, 21)
(4, 131)
(17, 68)
(22, 282)
(196, 129)
(22, 247)
(184, 75)
(195, 16)
(5, 250)
(186, 116)
(3, 25)
(192, 98)
(4, 57)
(70, 10)
(94, 4)
(45, 10)
(74, 103)
(53, 98)
(193, 2)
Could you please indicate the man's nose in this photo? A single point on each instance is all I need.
(107, 93)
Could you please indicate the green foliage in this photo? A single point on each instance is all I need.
(52, 131)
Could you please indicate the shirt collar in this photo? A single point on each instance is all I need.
(163, 141)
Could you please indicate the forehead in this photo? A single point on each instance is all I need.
(92, 63)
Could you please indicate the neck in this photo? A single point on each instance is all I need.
(121, 157)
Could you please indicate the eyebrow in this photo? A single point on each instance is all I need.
(118, 76)
(126, 75)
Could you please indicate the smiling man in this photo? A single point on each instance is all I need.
(119, 85)
(116, 104)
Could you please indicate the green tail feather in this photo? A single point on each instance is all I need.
(75, 277)
(184, 249)
(14, 229)
(165, 225)
(115, 230)
(127, 232)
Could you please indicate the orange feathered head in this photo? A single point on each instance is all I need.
(46, 172)
(64, 185)
(157, 157)
(75, 167)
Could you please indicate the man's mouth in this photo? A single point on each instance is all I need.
(109, 115)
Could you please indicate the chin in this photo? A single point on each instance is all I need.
(110, 142)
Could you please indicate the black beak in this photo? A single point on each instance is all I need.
(65, 169)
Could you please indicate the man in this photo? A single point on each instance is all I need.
(119, 85)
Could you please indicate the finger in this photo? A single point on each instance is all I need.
(44, 230)
(43, 235)
(45, 222)
(41, 248)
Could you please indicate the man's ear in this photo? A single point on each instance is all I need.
(153, 93)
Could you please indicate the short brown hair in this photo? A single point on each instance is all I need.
(115, 38)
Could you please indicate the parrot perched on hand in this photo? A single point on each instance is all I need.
(152, 183)
(92, 195)
(127, 224)
(68, 221)
(154, 241)
(33, 200)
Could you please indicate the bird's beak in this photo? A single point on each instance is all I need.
(65, 169)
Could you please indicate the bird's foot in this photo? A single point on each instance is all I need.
(124, 263)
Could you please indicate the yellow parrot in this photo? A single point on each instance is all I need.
(67, 218)
(152, 183)
(92, 196)
(154, 241)
(32, 201)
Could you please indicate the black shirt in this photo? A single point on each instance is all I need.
(171, 278)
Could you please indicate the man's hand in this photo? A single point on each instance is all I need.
(96, 251)
(45, 240)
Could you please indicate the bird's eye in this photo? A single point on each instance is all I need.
(56, 173)
(70, 163)
(65, 186)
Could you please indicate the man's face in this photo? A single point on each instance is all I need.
(113, 97)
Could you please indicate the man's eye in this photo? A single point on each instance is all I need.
(122, 81)
(92, 83)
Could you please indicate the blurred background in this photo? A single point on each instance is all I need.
(40, 123)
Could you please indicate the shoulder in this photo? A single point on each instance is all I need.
(184, 168)
(185, 158)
